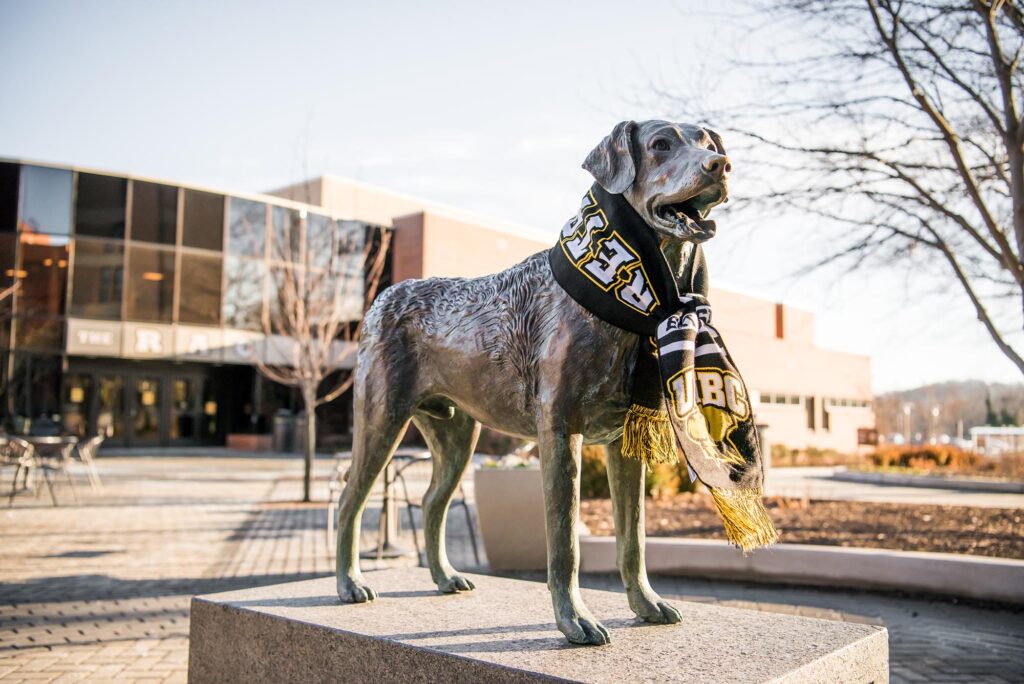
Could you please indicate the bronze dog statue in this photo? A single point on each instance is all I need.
(514, 352)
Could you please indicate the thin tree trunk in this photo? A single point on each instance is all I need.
(307, 476)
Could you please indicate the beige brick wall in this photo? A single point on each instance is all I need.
(455, 247)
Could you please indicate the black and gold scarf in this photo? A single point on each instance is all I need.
(686, 385)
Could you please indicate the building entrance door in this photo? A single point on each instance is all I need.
(145, 414)
(141, 405)
(109, 418)
(186, 421)
(94, 404)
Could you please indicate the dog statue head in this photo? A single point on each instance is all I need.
(672, 174)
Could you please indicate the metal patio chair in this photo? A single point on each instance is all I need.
(19, 453)
(55, 454)
(414, 476)
(86, 452)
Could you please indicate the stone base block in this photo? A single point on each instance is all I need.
(504, 632)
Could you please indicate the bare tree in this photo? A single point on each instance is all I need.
(899, 123)
(323, 275)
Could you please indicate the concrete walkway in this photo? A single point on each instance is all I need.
(101, 590)
(817, 483)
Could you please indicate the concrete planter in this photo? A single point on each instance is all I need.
(249, 442)
(510, 509)
(977, 577)
(963, 484)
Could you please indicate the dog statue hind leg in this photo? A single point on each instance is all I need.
(451, 442)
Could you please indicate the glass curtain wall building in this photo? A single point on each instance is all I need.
(141, 307)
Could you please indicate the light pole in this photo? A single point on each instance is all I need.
(935, 423)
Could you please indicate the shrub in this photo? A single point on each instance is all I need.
(926, 457)
(594, 473)
(783, 457)
(664, 480)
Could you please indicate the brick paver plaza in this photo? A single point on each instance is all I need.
(100, 590)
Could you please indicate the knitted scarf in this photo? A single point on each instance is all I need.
(686, 388)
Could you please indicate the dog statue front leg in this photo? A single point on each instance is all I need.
(560, 471)
(626, 480)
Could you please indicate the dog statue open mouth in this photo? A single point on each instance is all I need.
(515, 352)
(688, 216)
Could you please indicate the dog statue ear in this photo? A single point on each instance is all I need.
(611, 162)
(717, 139)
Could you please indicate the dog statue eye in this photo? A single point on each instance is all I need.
(661, 145)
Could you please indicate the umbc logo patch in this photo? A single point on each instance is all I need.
(722, 400)
(605, 258)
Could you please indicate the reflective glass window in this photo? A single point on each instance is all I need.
(7, 274)
(98, 279)
(34, 394)
(45, 334)
(286, 239)
(285, 286)
(322, 240)
(43, 275)
(247, 228)
(8, 197)
(348, 268)
(154, 212)
(7, 250)
(100, 205)
(204, 220)
(45, 205)
(150, 286)
(200, 289)
(243, 293)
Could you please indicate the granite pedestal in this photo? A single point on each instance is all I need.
(504, 632)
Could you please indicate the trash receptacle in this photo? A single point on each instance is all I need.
(283, 432)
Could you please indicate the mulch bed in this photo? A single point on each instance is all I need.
(906, 527)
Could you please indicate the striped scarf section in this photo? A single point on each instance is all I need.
(687, 393)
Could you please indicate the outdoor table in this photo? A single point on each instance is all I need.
(388, 526)
(47, 445)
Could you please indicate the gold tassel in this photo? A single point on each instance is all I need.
(746, 520)
(647, 435)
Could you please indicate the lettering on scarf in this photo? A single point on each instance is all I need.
(600, 253)
(709, 387)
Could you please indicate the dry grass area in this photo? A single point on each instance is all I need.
(907, 527)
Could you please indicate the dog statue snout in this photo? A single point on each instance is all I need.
(717, 166)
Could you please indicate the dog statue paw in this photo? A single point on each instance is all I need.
(353, 590)
(455, 584)
(650, 608)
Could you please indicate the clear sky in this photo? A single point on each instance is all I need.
(484, 106)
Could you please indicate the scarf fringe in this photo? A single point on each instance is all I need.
(745, 518)
(647, 435)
